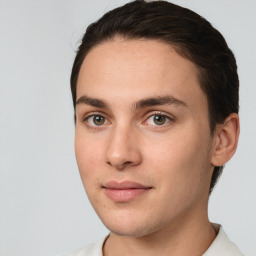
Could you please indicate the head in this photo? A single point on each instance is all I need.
(192, 37)
(170, 36)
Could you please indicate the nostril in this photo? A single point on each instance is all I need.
(120, 166)
(127, 163)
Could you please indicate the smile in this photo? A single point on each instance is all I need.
(125, 191)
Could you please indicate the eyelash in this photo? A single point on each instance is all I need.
(162, 114)
(86, 117)
(168, 117)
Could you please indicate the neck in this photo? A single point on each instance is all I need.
(188, 236)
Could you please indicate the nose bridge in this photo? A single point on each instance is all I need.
(122, 149)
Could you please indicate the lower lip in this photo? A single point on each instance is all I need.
(125, 195)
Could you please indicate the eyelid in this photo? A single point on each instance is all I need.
(91, 114)
(148, 115)
(160, 113)
(94, 113)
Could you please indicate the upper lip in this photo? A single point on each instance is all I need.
(125, 185)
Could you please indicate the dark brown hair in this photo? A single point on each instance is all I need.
(192, 36)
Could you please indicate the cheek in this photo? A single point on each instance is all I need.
(88, 160)
(173, 151)
(180, 161)
(87, 155)
(180, 175)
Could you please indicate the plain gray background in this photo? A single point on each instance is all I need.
(43, 207)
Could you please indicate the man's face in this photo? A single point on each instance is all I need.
(143, 141)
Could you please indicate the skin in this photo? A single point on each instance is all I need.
(174, 158)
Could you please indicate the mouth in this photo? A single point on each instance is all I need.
(125, 191)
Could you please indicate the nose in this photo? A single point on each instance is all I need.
(122, 150)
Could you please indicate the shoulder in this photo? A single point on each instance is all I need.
(222, 246)
(94, 249)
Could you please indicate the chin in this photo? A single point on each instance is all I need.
(128, 231)
(132, 226)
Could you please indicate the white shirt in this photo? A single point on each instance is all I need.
(221, 246)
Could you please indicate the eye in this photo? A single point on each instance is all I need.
(96, 120)
(158, 119)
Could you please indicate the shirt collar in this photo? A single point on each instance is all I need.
(222, 246)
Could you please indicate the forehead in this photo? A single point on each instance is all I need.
(132, 69)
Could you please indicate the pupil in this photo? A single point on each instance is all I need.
(98, 120)
(159, 120)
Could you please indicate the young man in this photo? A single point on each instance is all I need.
(155, 92)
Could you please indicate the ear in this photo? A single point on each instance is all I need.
(225, 140)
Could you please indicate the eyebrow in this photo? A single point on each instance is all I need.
(92, 102)
(143, 103)
(154, 101)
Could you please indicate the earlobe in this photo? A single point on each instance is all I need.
(226, 139)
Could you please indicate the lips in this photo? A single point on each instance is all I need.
(124, 191)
